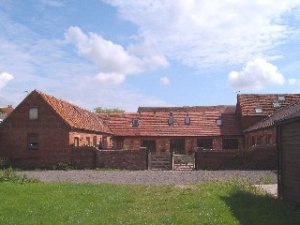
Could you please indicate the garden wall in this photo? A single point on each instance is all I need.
(256, 159)
(89, 157)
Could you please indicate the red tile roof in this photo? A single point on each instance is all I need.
(7, 110)
(281, 114)
(154, 121)
(74, 116)
(247, 103)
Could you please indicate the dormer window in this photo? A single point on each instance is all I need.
(187, 120)
(171, 119)
(135, 122)
(281, 98)
(33, 113)
(276, 104)
(219, 121)
(258, 110)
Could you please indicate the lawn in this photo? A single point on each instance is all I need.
(209, 203)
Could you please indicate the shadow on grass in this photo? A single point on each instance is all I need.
(251, 209)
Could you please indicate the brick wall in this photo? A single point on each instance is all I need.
(89, 157)
(257, 159)
(123, 159)
(264, 136)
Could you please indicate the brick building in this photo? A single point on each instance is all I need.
(42, 130)
(5, 111)
(177, 129)
(258, 114)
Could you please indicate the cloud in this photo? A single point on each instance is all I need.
(164, 81)
(205, 33)
(4, 79)
(292, 81)
(113, 61)
(53, 3)
(255, 75)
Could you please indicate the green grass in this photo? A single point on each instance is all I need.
(209, 203)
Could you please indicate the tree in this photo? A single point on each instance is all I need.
(108, 110)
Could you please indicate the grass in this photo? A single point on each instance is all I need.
(206, 204)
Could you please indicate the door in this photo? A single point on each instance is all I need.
(177, 145)
(149, 144)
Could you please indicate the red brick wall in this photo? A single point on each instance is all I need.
(263, 134)
(123, 159)
(257, 159)
(89, 157)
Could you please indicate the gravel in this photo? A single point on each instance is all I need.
(151, 177)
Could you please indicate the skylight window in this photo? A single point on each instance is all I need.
(171, 119)
(187, 120)
(276, 104)
(135, 122)
(219, 121)
(281, 98)
(258, 110)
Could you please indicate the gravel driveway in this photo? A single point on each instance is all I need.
(151, 177)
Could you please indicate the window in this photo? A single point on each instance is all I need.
(258, 110)
(88, 141)
(135, 122)
(149, 144)
(219, 121)
(276, 104)
(231, 143)
(206, 143)
(95, 141)
(171, 119)
(187, 120)
(33, 113)
(253, 140)
(177, 146)
(33, 142)
(76, 141)
(269, 139)
(259, 140)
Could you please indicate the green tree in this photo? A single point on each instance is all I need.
(108, 110)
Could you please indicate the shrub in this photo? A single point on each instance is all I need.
(9, 175)
(63, 166)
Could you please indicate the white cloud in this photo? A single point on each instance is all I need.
(292, 81)
(204, 33)
(4, 79)
(256, 75)
(164, 81)
(114, 62)
(110, 78)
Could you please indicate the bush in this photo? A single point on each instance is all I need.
(3, 163)
(9, 175)
(63, 166)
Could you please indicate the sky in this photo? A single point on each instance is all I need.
(125, 54)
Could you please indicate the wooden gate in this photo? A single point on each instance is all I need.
(184, 162)
(160, 161)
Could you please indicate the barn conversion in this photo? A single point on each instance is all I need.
(43, 130)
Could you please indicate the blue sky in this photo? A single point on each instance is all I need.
(125, 54)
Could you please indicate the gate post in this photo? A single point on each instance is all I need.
(172, 160)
